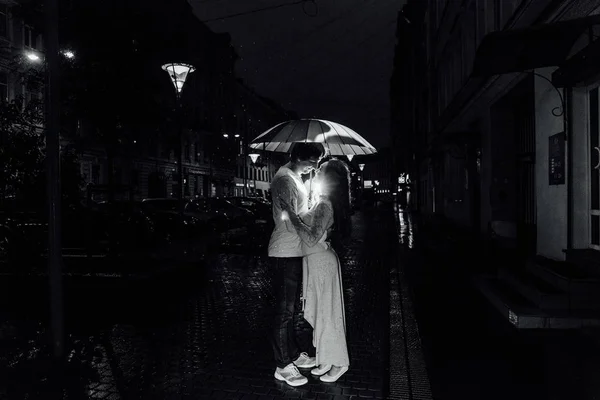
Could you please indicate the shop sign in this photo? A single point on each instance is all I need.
(556, 159)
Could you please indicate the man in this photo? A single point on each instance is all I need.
(285, 251)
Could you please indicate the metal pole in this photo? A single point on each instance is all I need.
(245, 160)
(53, 178)
(180, 154)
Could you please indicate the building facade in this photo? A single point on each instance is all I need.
(126, 122)
(505, 137)
(20, 48)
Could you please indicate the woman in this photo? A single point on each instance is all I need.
(328, 221)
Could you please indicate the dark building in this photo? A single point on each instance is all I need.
(408, 96)
(119, 107)
(505, 138)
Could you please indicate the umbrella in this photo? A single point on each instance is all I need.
(338, 140)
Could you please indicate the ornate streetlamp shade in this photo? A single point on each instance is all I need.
(254, 157)
(361, 166)
(178, 73)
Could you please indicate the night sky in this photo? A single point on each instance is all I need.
(334, 65)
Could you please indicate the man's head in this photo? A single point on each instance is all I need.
(306, 156)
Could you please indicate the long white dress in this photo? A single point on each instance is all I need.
(322, 286)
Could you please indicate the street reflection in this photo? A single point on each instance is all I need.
(406, 234)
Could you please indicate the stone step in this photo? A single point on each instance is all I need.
(539, 292)
(585, 260)
(523, 314)
(565, 276)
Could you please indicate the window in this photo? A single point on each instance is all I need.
(95, 174)
(498, 20)
(3, 86)
(29, 97)
(135, 178)
(3, 21)
(187, 151)
(28, 36)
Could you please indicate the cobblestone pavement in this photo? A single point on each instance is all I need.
(213, 343)
(204, 335)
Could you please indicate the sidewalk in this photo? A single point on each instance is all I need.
(472, 352)
(204, 336)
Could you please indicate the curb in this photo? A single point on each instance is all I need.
(407, 368)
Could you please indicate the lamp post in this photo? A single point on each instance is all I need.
(254, 158)
(52, 111)
(362, 182)
(178, 73)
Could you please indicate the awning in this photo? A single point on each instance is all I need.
(579, 69)
(537, 46)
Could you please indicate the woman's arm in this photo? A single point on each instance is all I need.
(321, 221)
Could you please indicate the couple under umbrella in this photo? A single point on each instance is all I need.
(303, 243)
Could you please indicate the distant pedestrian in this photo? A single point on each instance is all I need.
(328, 222)
(285, 251)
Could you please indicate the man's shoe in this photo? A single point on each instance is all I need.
(304, 361)
(321, 369)
(332, 378)
(290, 375)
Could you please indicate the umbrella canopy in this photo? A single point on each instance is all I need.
(338, 139)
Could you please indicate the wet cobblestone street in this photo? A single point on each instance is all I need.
(207, 338)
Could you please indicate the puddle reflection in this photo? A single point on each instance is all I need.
(406, 231)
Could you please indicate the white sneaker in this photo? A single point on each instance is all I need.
(321, 369)
(290, 375)
(332, 378)
(304, 361)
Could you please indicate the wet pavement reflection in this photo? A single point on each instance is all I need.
(203, 334)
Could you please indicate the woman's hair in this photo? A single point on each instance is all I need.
(337, 175)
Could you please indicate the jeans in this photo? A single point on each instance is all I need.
(287, 279)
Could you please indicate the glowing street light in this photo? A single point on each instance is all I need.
(350, 157)
(361, 166)
(254, 157)
(32, 56)
(178, 72)
(225, 135)
(69, 54)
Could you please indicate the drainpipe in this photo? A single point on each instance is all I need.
(568, 129)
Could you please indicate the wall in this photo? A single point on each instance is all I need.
(486, 170)
(580, 142)
(551, 201)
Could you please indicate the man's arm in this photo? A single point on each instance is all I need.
(285, 188)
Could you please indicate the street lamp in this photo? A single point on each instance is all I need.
(68, 53)
(362, 182)
(254, 158)
(350, 157)
(178, 73)
(32, 56)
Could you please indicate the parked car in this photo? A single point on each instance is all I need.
(130, 227)
(168, 222)
(236, 217)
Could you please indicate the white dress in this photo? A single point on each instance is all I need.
(322, 286)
